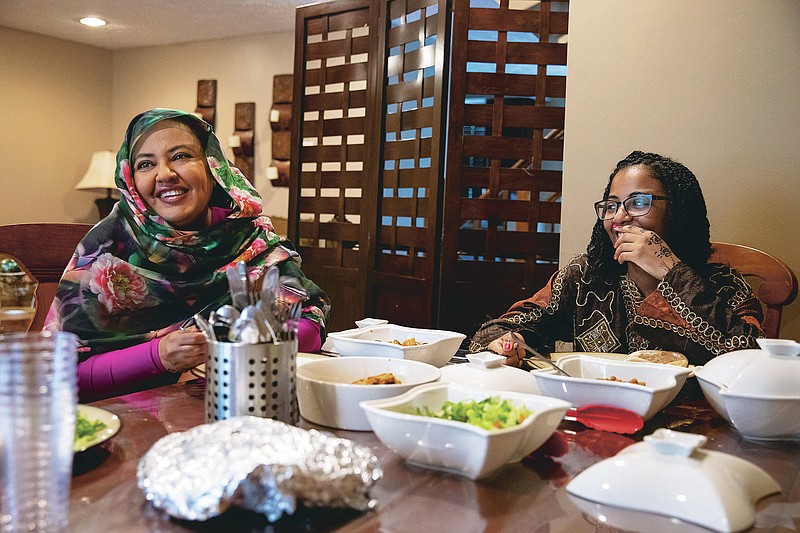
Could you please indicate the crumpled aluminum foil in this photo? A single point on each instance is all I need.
(258, 464)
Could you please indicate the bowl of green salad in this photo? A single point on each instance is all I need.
(462, 429)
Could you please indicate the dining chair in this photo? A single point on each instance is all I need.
(777, 283)
(43, 250)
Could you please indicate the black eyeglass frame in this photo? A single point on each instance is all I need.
(626, 200)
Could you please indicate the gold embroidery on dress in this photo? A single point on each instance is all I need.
(552, 306)
(743, 292)
(599, 337)
(700, 331)
(632, 298)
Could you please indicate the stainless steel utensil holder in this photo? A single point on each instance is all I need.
(252, 379)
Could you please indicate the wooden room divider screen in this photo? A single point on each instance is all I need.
(383, 225)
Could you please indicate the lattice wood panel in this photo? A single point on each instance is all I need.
(377, 225)
(404, 282)
(331, 174)
(502, 204)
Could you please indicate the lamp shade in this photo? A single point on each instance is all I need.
(100, 174)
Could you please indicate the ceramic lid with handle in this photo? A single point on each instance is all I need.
(486, 370)
(671, 474)
(772, 371)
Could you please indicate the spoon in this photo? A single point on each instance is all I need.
(542, 358)
(291, 289)
(244, 280)
(224, 316)
(606, 418)
(238, 288)
(245, 328)
(264, 317)
(271, 281)
(204, 326)
(267, 298)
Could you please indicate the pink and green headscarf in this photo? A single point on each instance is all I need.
(134, 274)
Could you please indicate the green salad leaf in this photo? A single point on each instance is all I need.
(86, 430)
(490, 413)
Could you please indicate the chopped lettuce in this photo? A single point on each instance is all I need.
(86, 430)
(490, 413)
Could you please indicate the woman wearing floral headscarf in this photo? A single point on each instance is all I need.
(186, 215)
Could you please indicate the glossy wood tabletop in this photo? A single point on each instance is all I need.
(528, 496)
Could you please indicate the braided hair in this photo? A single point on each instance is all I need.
(689, 236)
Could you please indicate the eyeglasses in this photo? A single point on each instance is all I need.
(635, 205)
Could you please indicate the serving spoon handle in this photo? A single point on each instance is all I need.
(536, 355)
(606, 418)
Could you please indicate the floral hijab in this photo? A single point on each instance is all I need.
(133, 274)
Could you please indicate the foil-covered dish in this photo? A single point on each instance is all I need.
(257, 464)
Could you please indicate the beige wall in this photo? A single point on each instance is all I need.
(713, 84)
(63, 100)
(56, 104)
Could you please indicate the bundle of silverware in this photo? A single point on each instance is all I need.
(268, 315)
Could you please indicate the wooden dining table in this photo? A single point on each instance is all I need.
(526, 496)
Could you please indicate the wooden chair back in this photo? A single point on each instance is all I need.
(777, 284)
(43, 250)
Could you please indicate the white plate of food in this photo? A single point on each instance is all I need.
(432, 346)
(93, 426)
(639, 356)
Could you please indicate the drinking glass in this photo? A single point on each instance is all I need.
(38, 397)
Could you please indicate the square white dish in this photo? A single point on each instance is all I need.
(437, 347)
(582, 387)
(757, 391)
(671, 474)
(327, 395)
(459, 447)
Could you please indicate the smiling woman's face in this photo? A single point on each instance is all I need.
(633, 180)
(171, 175)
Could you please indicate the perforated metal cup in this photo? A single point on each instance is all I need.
(252, 379)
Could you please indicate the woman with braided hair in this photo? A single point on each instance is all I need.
(644, 283)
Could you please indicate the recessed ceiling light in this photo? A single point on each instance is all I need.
(93, 21)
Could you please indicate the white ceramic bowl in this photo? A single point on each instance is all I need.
(458, 447)
(757, 391)
(437, 348)
(583, 388)
(369, 322)
(486, 370)
(670, 474)
(327, 396)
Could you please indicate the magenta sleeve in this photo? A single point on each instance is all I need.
(113, 373)
(308, 339)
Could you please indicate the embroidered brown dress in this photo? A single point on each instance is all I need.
(701, 315)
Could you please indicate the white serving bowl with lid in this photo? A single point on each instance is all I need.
(671, 474)
(757, 391)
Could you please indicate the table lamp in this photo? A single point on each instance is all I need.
(100, 175)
